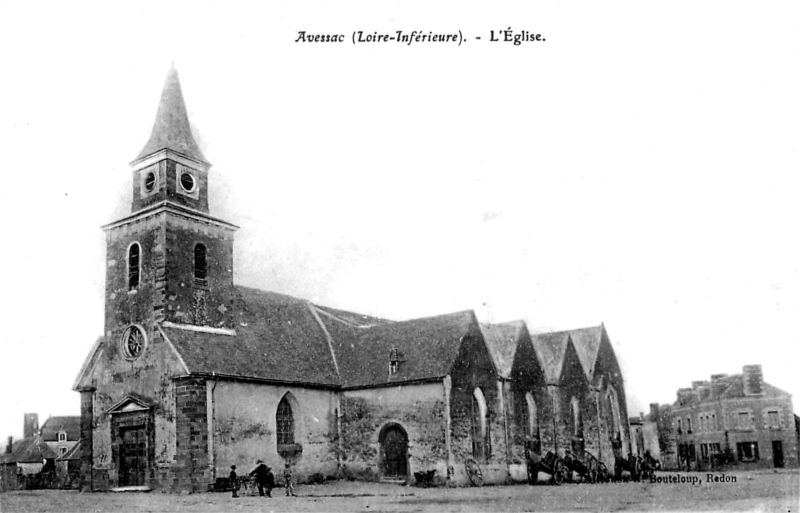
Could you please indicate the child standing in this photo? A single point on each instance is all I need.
(234, 480)
(287, 480)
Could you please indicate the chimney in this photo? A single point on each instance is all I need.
(704, 391)
(685, 395)
(718, 384)
(654, 412)
(10, 446)
(753, 380)
(31, 426)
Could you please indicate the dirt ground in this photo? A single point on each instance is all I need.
(752, 491)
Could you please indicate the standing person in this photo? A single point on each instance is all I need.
(262, 473)
(234, 480)
(270, 481)
(287, 480)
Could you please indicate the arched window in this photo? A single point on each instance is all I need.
(618, 436)
(134, 255)
(200, 265)
(481, 441)
(284, 421)
(577, 421)
(577, 442)
(533, 416)
(613, 411)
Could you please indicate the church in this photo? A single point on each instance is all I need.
(194, 373)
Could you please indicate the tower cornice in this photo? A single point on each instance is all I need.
(166, 207)
(167, 153)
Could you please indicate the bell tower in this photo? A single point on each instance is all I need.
(170, 261)
(171, 166)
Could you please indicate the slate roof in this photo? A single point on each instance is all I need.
(171, 128)
(282, 338)
(277, 338)
(29, 450)
(502, 341)
(351, 317)
(425, 348)
(54, 425)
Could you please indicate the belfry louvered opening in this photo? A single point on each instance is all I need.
(200, 265)
(133, 266)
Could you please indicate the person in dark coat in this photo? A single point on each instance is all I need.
(234, 480)
(264, 478)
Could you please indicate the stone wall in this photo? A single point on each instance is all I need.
(183, 300)
(112, 378)
(611, 406)
(190, 470)
(419, 410)
(244, 427)
(473, 369)
(574, 389)
(527, 376)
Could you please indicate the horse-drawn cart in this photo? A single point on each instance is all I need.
(549, 464)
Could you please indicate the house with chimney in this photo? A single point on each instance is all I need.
(728, 420)
(42, 458)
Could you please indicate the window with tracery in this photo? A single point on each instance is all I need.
(133, 342)
(284, 420)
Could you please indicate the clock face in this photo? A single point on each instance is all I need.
(187, 182)
(150, 182)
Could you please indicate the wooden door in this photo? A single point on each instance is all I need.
(395, 449)
(132, 456)
(777, 453)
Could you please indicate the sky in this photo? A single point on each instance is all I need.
(638, 167)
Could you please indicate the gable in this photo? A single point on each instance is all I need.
(130, 403)
(55, 425)
(607, 366)
(527, 367)
(84, 377)
(587, 343)
(502, 341)
(550, 349)
(572, 372)
(106, 359)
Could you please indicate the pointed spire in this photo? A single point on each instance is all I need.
(171, 129)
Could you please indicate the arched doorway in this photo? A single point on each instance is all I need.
(394, 451)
